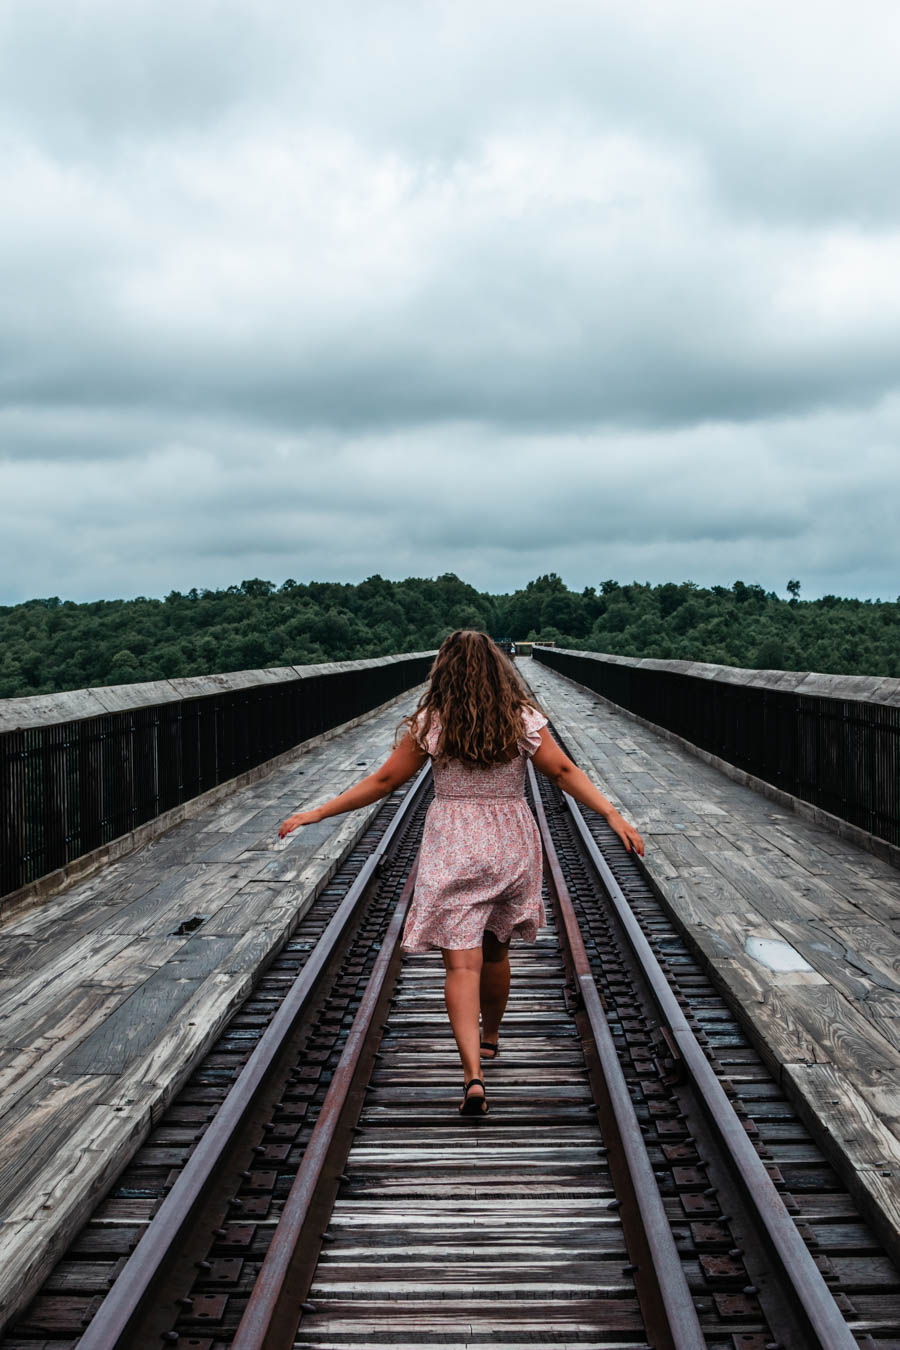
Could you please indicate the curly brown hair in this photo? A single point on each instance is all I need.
(476, 694)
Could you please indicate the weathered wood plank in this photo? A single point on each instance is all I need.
(134, 1026)
(195, 889)
(84, 959)
(35, 1126)
(60, 1025)
(45, 1215)
(801, 1019)
(253, 903)
(863, 1146)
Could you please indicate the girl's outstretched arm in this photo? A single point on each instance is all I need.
(555, 763)
(406, 760)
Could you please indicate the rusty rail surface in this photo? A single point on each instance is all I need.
(814, 1300)
(276, 1304)
(273, 1311)
(121, 1310)
(666, 1301)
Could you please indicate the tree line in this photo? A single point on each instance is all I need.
(50, 644)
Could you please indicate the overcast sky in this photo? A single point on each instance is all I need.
(610, 289)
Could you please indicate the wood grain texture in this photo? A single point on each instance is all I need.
(860, 1142)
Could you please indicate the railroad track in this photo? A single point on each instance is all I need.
(617, 1195)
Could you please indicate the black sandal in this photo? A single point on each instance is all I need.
(472, 1106)
(491, 1045)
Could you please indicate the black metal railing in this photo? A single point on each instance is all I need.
(841, 754)
(70, 787)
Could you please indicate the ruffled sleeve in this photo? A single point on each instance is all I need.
(530, 740)
(429, 742)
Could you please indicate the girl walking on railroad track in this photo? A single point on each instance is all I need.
(479, 878)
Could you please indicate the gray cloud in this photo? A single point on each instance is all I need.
(493, 289)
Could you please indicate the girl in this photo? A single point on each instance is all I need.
(479, 879)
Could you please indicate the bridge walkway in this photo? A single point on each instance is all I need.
(734, 866)
(105, 1008)
(111, 991)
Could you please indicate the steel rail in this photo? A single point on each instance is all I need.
(803, 1279)
(275, 1306)
(667, 1305)
(114, 1323)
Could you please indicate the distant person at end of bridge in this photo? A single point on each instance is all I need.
(479, 878)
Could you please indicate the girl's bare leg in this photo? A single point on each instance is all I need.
(494, 988)
(463, 967)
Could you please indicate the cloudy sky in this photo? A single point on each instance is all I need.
(607, 288)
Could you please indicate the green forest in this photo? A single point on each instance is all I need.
(50, 644)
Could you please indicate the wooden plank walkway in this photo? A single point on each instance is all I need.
(105, 1006)
(468, 1232)
(735, 866)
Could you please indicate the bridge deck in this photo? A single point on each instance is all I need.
(733, 865)
(105, 1009)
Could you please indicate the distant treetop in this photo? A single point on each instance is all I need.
(48, 644)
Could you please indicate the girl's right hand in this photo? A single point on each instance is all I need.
(301, 818)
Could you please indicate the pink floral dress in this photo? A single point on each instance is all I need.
(480, 860)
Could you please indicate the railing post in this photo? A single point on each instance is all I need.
(12, 811)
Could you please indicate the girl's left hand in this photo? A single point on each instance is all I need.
(627, 833)
(301, 818)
